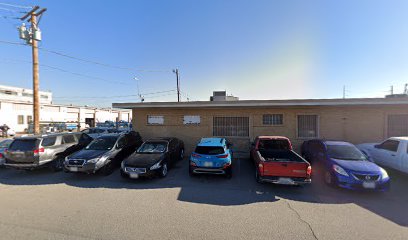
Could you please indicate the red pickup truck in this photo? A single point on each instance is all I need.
(276, 162)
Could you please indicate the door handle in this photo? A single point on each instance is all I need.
(284, 164)
(393, 155)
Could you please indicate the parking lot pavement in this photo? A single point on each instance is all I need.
(47, 205)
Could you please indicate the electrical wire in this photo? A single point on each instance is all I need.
(89, 61)
(15, 6)
(118, 96)
(73, 73)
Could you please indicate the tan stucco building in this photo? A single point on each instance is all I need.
(353, 120)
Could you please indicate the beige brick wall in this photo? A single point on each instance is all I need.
(356, 124)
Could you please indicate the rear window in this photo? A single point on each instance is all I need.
(49, 141)
(274, 144)
(209, 150)
(24, 145)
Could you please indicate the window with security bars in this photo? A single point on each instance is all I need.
(397, 125)
(272, 119)
(307, 126)
(231, 126)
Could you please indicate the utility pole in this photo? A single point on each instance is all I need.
(176, 71)
(32, 37)
(392, 90)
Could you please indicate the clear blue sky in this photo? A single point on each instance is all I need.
(253, 49)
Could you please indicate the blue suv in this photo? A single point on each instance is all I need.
(211, 156)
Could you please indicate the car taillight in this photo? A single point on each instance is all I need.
(309, 170)
(195, 155)
(222, 156)
(37, 151)
(193, 164)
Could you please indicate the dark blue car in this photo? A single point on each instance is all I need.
(342, 164)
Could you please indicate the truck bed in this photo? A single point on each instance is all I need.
(283, 163)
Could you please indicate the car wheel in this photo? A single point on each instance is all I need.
(190, 172)
(58, 163)
(123, 175)
(163, 170)
(182, 154)
(107, 169)
(228, 173)
(257, 177)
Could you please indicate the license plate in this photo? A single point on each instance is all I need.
(286, 181)
(208, 164)
(369, 185)
(73, 169)
(134, 175)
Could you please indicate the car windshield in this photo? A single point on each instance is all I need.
(153, 147)
(5, 143)
(345, 152)
(102, 143)
(209, 150)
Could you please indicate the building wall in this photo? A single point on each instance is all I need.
(356, 124)
(10, 112)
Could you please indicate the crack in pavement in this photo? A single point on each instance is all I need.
(301, 219)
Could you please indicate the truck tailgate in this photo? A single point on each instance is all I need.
(285, 169)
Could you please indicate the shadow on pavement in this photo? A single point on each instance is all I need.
(241, 189)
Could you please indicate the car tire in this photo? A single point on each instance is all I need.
(58, 163)
(163, 170)
(257, 177)
(190, 172)
(182, 154)
(123, 175)
(228, 173)
(107, 169)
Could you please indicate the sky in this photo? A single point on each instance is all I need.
(253, 49)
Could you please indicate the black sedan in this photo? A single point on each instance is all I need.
(153, 158)
(103, 154)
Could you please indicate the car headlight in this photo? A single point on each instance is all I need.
(93, 160)
(340, 170)
(384, 173)
(156, 166)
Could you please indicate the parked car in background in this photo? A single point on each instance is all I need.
(392, 153)
(4, 145)
(104, 153)
(342, 164)
(276, 162)
(211, 156)
(153, 158)
(30, 152)
(96, 131)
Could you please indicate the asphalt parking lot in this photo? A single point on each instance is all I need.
(46, 205)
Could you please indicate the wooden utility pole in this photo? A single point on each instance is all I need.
(32, 38)
(36, 79)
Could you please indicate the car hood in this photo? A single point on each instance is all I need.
(359, 166)
(88, 154)
(142, 160)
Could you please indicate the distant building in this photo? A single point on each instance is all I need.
(219, 96)
(16, 110)
(23, 95)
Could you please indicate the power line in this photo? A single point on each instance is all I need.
(119, 96)
(73, 73)
(15, 6)
(89, 61)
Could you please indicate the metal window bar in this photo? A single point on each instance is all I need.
(397, 125)
(307, 126)
(231, 126)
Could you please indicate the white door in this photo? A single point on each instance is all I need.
(387, 154)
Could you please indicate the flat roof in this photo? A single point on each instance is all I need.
(267, 103)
